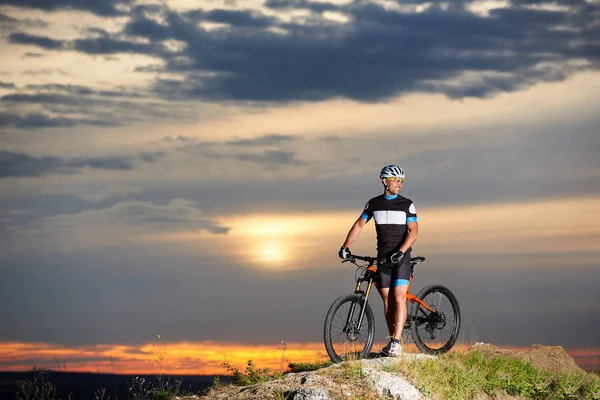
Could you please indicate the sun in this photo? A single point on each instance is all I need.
(271, 251)
(279, 242)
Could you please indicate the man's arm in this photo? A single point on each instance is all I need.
(354, 231)
(413, 232)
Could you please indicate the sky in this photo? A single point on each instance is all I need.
(176, 177)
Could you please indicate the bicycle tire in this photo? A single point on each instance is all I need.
(340, 345)
(435, 333)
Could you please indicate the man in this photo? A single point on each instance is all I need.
(397, 229)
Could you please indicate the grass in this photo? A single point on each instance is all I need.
(461, 376)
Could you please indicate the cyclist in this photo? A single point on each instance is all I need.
(397, 229)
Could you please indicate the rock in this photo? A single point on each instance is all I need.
(393, 386)
(550, 358)
(304, 393)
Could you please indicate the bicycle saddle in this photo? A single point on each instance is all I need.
(416, 260)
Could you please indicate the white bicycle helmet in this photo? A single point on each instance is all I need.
(391, 171)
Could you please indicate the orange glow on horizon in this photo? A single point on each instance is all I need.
(188, 358)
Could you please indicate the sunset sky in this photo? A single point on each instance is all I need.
(176, 177)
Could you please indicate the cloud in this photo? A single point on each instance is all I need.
(36, 40)
(40, 120)
(32, 55)
(302, 4)
(102, 8)
(22, 165)
(123, 221)
(379, 53)
(103, 45)
(55, 105)
(7, 85)
(265, 140)
(236, 18)
(7, 22)
(270, 157)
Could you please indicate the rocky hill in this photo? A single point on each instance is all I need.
(483, 372)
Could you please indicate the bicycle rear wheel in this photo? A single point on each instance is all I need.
(435, 332)
(344, 339)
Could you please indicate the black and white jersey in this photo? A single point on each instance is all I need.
(391, 214)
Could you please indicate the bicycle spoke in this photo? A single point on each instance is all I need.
(343, 337)
(436, 331)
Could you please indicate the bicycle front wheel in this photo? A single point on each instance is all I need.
(344, 338)
(435, 332)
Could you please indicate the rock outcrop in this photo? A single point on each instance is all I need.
(376, 378)
(550, 358)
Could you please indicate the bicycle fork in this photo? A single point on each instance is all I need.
(349, 325)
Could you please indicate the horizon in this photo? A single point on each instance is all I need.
(207, 358)
(190, 169)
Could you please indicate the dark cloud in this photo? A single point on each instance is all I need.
(40, 41)
(104, 45)
(270, 157)
(100, 44)
(266, 140)
(41, 120)
(302, 4)
(32, 55)
(22, 165)
(7, 85)
(378, 54)
(52, 92)
(45, 71)
(236, 18)
(147, 28)
(39, 98)
(99, 7)
(381, 53)
(51, 105)
(15, 23)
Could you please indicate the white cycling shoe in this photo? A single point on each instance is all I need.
(392, 349)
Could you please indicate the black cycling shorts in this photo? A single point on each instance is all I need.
(390, 275)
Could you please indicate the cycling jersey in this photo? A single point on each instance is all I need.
(391, 214)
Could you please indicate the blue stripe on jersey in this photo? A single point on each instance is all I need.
(401, 282)
(411, 219)
(365, 216)
(392, 197)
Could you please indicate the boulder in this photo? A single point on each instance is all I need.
(550, 358)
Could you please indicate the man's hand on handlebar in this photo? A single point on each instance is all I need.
(393, 258)
(344, 253)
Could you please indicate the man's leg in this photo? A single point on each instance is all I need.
(401, 311)
(383, 287)
(387, 311)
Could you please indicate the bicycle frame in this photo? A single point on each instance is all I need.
(369, 277)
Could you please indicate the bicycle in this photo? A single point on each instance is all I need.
(433, 320)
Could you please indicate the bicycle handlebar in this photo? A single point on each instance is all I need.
(354, 257)
(372, 260)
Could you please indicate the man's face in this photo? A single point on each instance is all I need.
(394, 184)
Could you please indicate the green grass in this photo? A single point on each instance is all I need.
(251, 375)
(307, 366)
(455, 376)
